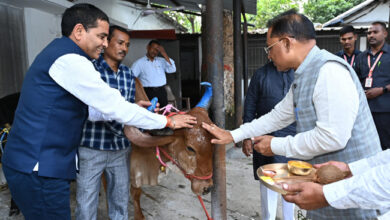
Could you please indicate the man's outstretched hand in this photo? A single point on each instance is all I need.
(263, 145)
(221, 136)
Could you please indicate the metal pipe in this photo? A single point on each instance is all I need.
(245, 51)
(388, 28)
(214, 53)
(237, 44)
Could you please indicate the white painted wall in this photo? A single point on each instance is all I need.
(41, 28)
(43, 24)
(127, 13)
(137, 50)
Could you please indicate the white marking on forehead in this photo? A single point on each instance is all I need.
(199, 137)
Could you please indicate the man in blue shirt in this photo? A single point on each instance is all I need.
(348, 38)
(103, 146)
(373, 69)
(151, 70)
(268, 87)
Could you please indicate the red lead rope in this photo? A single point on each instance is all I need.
(204, 208)
(188, 176)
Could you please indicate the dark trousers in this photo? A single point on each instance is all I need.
(382, 123)
(158, 92)
(39, 198)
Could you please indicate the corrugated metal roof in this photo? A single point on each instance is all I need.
(193, 5)
(340, 18)
(317, 28)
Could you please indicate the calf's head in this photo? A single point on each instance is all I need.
(191, 148)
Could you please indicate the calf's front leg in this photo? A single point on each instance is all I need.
(136, 195)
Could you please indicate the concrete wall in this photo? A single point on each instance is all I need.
(127, 13)
(43, 25)
(41, 28)
(137, 50)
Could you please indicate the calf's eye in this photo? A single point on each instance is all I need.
(191, 149)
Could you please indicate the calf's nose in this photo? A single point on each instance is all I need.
(206, 190)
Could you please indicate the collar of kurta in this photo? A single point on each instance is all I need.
(101, 62)
(307, 61)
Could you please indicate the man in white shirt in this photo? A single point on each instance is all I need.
(368, 188)
(151, 70)
(325, 100)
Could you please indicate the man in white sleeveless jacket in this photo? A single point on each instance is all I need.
(325, 100)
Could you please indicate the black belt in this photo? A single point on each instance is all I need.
(154, 88)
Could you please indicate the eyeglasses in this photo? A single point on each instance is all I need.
(268, 49)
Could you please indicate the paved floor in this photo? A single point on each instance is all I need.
(173, 199)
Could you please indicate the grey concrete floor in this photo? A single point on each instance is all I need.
(173, 199)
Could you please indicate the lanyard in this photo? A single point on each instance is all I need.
(373, 66)
(353, 58)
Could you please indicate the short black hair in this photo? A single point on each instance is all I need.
(119, 28)
(347, 29)
(381, 23)
(293, 24)
(154, 42)
(85, 14)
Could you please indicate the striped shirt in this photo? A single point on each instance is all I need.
(109, 135)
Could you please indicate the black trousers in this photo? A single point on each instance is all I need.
(158, 92)
(382, 123)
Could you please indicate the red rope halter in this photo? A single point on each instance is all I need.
(187, 175)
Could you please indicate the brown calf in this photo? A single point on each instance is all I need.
(191, 149)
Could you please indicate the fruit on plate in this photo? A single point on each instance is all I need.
(328, 174)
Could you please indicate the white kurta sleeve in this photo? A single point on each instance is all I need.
(367, 190)
(77, 75)
(336, 103)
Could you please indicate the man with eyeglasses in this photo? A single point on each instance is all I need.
(373, 69)
(325, 100)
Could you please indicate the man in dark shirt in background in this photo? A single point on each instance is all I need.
(373, 69)
(268, 87)
(8, 106)
(348, 38)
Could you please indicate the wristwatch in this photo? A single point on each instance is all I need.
(385, 90)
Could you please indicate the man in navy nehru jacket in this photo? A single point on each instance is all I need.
(61, 83)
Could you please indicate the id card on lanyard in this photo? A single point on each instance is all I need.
(353, 58)
(368, 82)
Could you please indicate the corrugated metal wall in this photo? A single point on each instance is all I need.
(13, 62)
(257, 57)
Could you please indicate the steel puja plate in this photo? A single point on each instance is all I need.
(273, 175)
